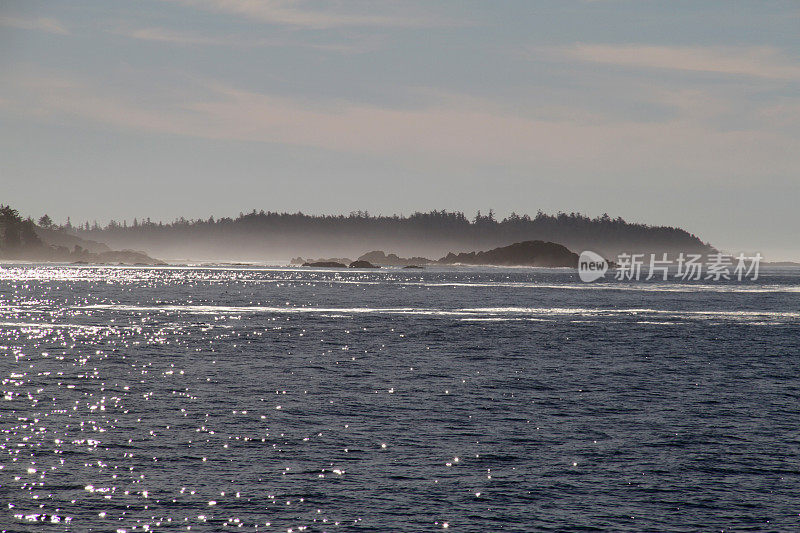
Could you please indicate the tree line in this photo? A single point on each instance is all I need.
(435, 228)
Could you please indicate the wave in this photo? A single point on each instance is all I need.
(472, 313)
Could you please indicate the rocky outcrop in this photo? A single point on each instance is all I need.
(379, 257)
(362, 264)
(527, 253)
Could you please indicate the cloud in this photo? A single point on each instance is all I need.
(181, 38)
(454, 129)
(298, 13)
(173, 37)
(758, 61)
(38, 24)
(783, 115)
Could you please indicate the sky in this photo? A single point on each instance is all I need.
(681, 113)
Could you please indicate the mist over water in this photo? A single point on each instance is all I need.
(466, 399)
(277, 237)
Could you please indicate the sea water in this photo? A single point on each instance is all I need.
(259, 399)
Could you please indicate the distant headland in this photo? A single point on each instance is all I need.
(269, 237)
(23, 240)
(261, 236)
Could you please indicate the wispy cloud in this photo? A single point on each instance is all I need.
(299, 13)
(453, 128)
(173, 37)
(757, 61)
(48, 25)
(182, 38)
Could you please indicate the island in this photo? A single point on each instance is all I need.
(526, 253)
(379, 257)
(362, 264)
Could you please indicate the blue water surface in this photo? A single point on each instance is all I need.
(466, 399)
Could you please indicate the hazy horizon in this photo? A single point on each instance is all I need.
(353, 247)
(272, 236)
(684, 114)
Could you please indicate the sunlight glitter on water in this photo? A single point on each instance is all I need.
(167, 399)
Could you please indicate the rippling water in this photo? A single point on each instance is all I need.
(213, 399)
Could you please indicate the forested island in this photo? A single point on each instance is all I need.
(271, 236)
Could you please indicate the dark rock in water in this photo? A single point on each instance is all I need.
(325, 264)
(362, 264)
(413, 266)
(297, 261)
(527, 253)
(379, 257)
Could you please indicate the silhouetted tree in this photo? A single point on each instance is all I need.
(16, 233)
(45, 221)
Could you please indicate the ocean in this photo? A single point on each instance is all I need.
(466, 399)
